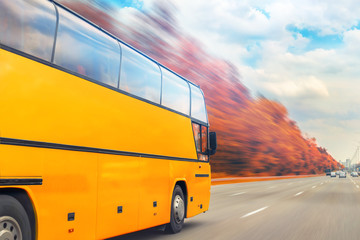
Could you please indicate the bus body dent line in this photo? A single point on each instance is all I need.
(30, 143)
(20, 181)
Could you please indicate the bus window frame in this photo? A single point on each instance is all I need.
(181, 78)
(120, 59)
(203, 97)
(56, 32)
(51, 51)
(207, 153)
(63, 15)
(141, 56)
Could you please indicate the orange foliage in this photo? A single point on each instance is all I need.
(255, 136)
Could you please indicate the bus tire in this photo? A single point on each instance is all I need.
(177, 211)
(14, 222)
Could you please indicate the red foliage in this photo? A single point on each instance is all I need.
(255, 136)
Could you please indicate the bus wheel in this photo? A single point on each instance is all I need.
(177, 211)
(14, 222)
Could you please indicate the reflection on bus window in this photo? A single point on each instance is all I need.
(175, 92)
(139, 75)
(201, 141)
(198, 109)
(84, 49)
(204, 139)
(28, 26)
(197, 136)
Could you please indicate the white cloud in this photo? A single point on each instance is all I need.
(351, 40)
(329, 17)
(309, 87)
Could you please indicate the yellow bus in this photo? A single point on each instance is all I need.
(96, 138)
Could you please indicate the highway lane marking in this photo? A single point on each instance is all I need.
(298, 194)
(321, 183)
(313, 186)
(272, 187)
(354, 183)
(236, 194)
(256, 211)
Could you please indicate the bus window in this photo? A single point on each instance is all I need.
(28, 26)
(83, 49)
(204, 139)
(198, 109)
(197, 136)
(139, 75)
(201, 141)
(175, 92)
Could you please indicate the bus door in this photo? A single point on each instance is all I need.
(202, 171)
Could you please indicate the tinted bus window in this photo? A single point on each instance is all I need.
(175, 92)
(197, 136)
(139, 75)
(28, 26)
(84, 49)
(204, 139)
(201, 141)
(198, 109)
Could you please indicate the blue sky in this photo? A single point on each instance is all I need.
(316, 40)
(303, 53)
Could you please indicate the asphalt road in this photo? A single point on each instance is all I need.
(302, 208)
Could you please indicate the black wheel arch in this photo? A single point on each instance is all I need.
(22, 196)
(184, 189)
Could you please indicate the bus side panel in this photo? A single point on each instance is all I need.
(69, 186)
(201, 187)
(155, 192)
(183, 171)
(22, 162)
(118, 195)
(44, 104)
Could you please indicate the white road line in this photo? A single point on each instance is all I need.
(313, 186)
(321, 183)
(256, 211)
(353, 182)
(236, 194)
(272, 187)
(357, 186)
(298, 194)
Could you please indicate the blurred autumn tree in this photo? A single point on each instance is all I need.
(255, 136)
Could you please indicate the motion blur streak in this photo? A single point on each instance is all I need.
(255, 135)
